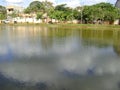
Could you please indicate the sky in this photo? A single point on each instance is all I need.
(71, 3)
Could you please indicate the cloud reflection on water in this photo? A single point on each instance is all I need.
(64, 62)
(36, 66)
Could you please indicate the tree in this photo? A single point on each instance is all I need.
(88, 14)
(3, 12)
(61, 13)
(40, 8)
(34, 7)
(77, 13)
(47, 6)
(27, 10)
(61, 7)
(101, 11)
(108, 11)
(39, 15)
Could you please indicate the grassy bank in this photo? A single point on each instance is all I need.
(72, 26)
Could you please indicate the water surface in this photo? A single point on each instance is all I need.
(54, 58)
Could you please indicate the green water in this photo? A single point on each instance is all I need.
(34, 57)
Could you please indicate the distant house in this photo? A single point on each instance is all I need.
(11, 9)
(27, 18)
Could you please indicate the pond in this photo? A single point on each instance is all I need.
(37, 57)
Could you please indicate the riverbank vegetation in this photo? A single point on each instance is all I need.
(100, 13)
(70, 26)
(3, 13)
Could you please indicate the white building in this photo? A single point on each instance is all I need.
(11, 9)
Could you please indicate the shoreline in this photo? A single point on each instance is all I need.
(69, 26)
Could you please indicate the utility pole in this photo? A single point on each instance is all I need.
(82, 7)
(82, 15)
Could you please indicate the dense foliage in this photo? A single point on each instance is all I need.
(101, 11)
(3, 12)
(35, 6)
(62, 13)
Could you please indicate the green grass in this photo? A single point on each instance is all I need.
(72, 26)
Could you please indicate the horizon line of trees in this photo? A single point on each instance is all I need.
(101, 11)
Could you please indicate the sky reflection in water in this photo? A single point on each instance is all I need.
(42, 59)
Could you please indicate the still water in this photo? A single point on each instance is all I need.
(54, 58)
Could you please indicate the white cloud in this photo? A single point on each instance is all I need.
(91, 2)
(53, 1)
(69, 3)
(14, 1)
(74, 3)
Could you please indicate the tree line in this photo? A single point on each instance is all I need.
(87, 14)
(3, 12)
